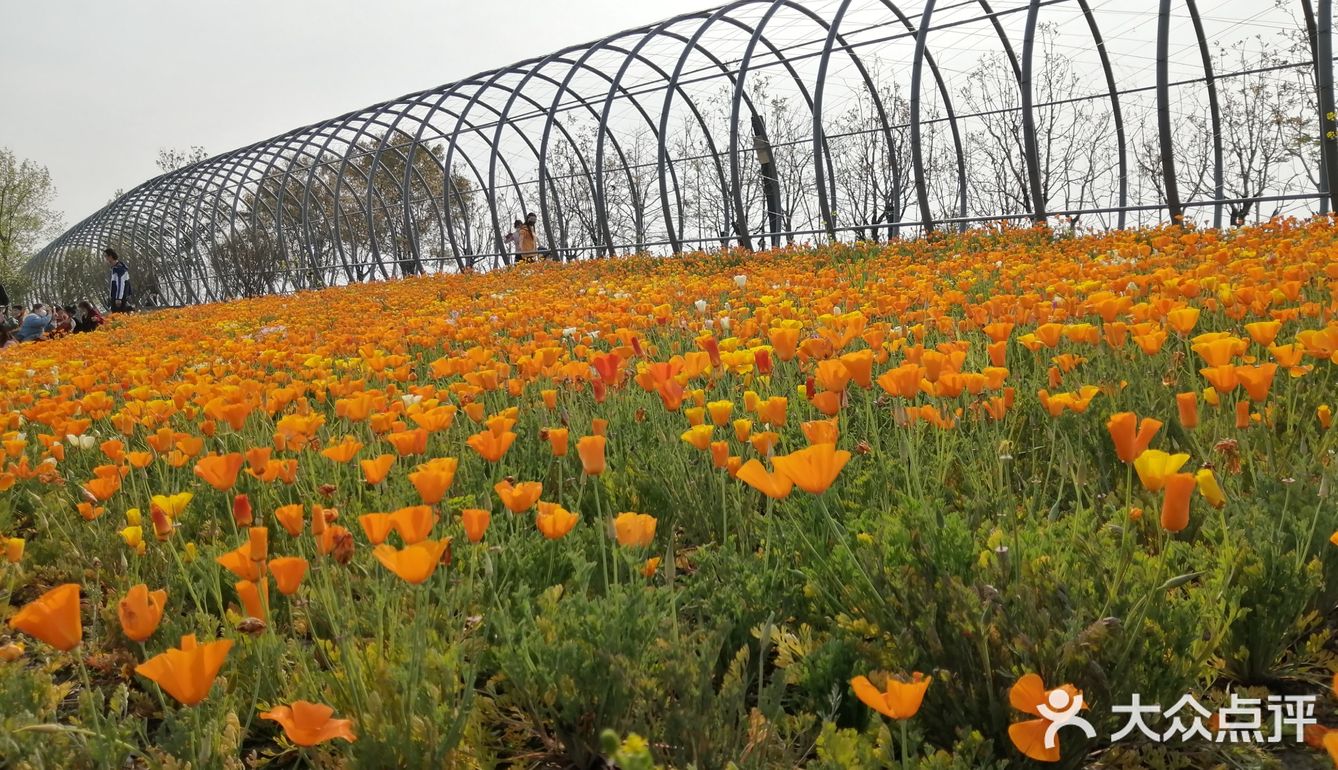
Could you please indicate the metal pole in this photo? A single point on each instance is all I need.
(917, 150)
(1173, 207)
(1030, 146)
(1328, 128)
(1308, 12)
(1214, 112)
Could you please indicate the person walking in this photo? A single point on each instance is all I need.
(120, 283)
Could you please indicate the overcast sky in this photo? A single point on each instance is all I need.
(93, 88)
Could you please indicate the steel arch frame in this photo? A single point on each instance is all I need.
(323, 197)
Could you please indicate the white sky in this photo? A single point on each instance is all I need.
(93, 88)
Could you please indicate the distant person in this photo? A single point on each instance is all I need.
(7, 338)
(86, 317)
(4, 296)
(529, 242)
(62, 322)
(512, 239)
(13, 316)
(35, 324)
(120, 283)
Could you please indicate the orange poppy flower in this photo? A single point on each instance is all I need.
(773, 410)
(220, 471)
(52, 617)
(413, 563)
(414, 523)
(292, 517)
(1131, 437)
(1242, 415)
(344, 451)
(519, 498)
(720, 411)
(698, 436)
(1258, 380)
(634, 530)
(1263, 332)
(288, 572)
(591, 450)
(242, 513)
(475, 521)
(102, 488)
(557, 440)
(764, 442)
(248, 594)
(821, 431)
(377, 526)
(814, 468)
(1183, 319)
(859, 366)
(140, 611)
(719, 454)
(775, 485)
(309, 724)
(238, 561)
(743, 428)
(1224, 379)
(187, 672)
(375, 471)
(1187, 404)
(491, 445)
(1175, 504)
(433, 482)
(409, 442)
(900, 700)
(554, 521)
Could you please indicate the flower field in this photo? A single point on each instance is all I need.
(862, 506)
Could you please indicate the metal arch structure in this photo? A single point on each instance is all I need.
(636, 142)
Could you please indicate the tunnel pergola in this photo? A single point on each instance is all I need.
(753, 124)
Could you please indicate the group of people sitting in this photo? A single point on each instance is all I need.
(43, 322)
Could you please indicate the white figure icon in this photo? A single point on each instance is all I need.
(1061, 710)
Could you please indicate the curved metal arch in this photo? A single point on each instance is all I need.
(1171, 188)
(297, 143)
(515, 183)
(596, 179)
(647, 34)
(824, 148)
(663, 158)
(1031, 148)
(922, 56)
(340, 125)
(288, 193)
(1214, 111)
(601, 201)
(1116, 113)
(228, 167)
(506, 166)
